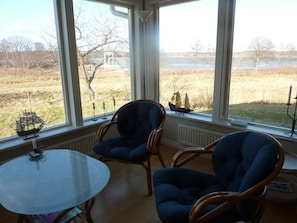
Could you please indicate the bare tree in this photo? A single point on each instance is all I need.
(96, 34)
(290, 50)
(20, 52)
(197, 49)
(18, 45)
(41, 57)
(48, 34)
(210, 55)
(4, 50)
(260, 47)
(95, 37)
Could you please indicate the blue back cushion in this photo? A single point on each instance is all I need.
(137, 119)
(243, 159)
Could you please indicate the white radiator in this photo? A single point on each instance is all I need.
(82, 144)
(192, 136)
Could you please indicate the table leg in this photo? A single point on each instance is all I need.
(87, 209)
(20, 219)
(24, 219)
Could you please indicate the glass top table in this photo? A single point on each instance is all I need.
(58, 180)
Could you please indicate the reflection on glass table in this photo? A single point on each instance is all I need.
(58, 180)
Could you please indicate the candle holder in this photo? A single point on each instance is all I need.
(94, 112)
(37, 151)
(103, 106)
(114, 103)
(293, 117)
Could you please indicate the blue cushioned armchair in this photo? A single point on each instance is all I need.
(139, 124)
(244, 163)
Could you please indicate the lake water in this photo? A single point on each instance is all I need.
(209, 63)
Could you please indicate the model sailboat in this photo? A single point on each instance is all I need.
(29, 124)
(176, 104)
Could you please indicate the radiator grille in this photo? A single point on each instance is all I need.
(192, 136)
(82, 144)
(186, 135)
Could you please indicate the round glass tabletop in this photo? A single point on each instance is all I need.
(58, 180)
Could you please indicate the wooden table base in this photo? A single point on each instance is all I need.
(85, 216)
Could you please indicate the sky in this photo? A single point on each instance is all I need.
(198, 20)
(181, 25)
(26, 19)
(278, 22)
(188, 22)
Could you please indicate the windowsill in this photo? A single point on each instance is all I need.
(49, 133)
(46, 134)
(278, 132)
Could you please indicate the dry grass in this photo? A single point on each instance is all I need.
(247, 86)
(259, 87)
(41, 91)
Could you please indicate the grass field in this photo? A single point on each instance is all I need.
(259, 97)
(255, 96)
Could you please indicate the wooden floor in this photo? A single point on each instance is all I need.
(125, 198)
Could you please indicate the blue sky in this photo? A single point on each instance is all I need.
(198, 23)
(25, 19)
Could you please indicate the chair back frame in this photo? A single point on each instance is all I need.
(230, 199)
(152, 144)
(227, 199)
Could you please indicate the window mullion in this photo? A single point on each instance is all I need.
(223, 63)
(68, 60)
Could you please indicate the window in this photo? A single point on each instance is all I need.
(264, 62)
(30, 68)
(30, 79)
(187, 53)
(103, 57)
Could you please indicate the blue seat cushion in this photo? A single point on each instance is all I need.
(119, 148)
(177, 189)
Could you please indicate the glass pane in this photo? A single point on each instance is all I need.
(103, 56)
(187, 53)
(264, 61)
(29, 68)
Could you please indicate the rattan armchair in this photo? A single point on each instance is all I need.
(140, 125)
(244, 163)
